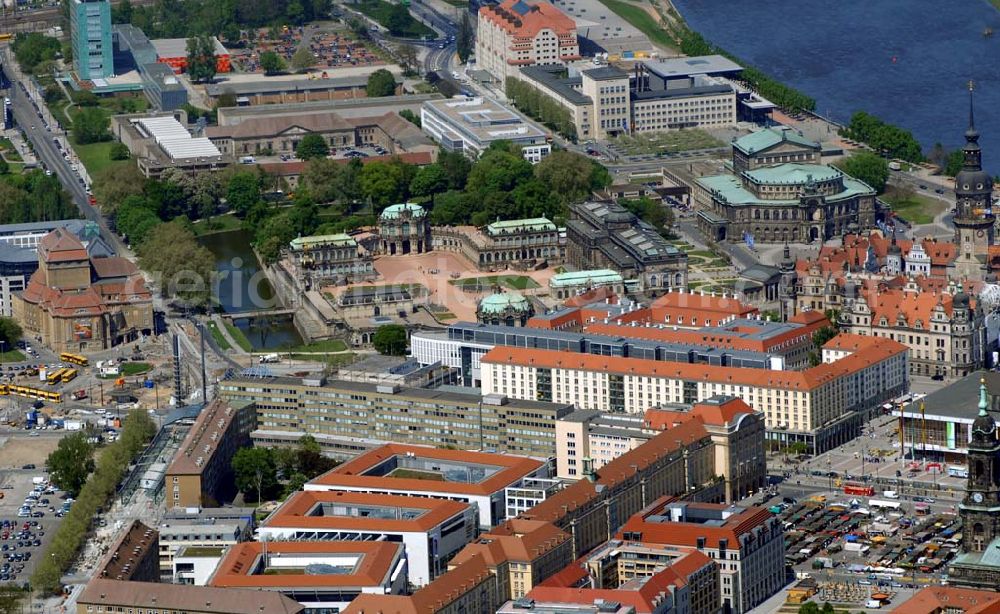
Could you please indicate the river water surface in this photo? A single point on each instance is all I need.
(244, 288)
(906, 61)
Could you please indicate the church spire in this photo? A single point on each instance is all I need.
(971, 134)
(982, 397)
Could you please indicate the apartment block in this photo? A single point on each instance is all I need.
(747, 543)
(369, 414)
(822, 406)
(517, 33)
(200, 473)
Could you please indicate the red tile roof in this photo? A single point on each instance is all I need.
(113, 266)
(432, 598)
(808, 379)
(61, 245)
(645, 599)
(687, 533)
(517, 540)
(294, 512)
(239, 567)
(582, 492)
(541, 15)
(937, 599)
(351, 473)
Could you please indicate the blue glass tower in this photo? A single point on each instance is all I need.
(90, 33)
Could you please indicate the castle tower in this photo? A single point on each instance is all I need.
(974, 219)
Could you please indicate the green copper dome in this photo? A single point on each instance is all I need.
(500, 302)
(393, 212)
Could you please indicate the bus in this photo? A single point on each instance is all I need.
(859, 490)
(958, 471)
(75, 359)
(55, 377)
(69, 375)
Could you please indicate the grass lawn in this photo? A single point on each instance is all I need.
(643, 21)
(703, 253)
(514, 282)
(11, 356)
(135, 368)
(9, 153)
(665, 142)
(218, 223)
(917, 209)
(327, 345)
(458, 3)
(218, 337)
(445, 315)
(95, 156)
(380, 10)
(238, 336)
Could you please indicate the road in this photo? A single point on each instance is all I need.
(41, 138)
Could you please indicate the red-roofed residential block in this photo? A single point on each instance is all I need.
(749, 539)
(518, 33)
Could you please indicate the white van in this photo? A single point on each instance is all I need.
(247, 160)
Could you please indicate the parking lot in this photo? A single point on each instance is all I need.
(24, 537)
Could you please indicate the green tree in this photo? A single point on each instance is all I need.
(10, 332)
(464, 39)
(310, 459)
(4, 167)
(254, 472)
(34, 51)
(312, 146)
(572, 177)
(179, 265)
(243, 192)
(884, 138)
(113, 184)
(452, 208)
(383, 183)
(498, 170)
(201, 58)
(71, 462)
(381, 82)
(410, 116)
(119, 151)
(457, 167)
(398, 20)
(953, 162)
(430, 179)
(90, 125)
(271, 62)
(868, 167)
(303, 59)
(406, 56)
(819, 339)
(390, 340)
(328, 180)
(226, 99)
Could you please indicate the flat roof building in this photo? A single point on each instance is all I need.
(159, 142)
(471, 125)
(90, 37)
(319, 575)
(204, 531)
(477, 478)
(289, 407)
(431, 530)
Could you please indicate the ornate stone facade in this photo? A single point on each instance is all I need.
(505, 308)
(404, 229)
(780, 193)
(329, 259)
(603, 235)
(512, 244)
